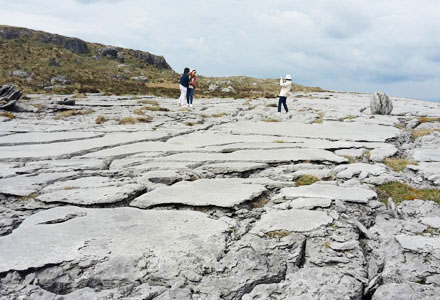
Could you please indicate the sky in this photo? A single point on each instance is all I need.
(344, 45)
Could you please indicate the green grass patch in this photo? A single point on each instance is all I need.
(306, 180)
(279, 141)
(400, 192)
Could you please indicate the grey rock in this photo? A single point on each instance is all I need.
(141, 78)
(109, 52)
(379, 154)
(319, 190)
(413, 124)
(406, 291)
(113, 233)
(19, 73)
(294, 220)
(204, 192)
(60, 79)
(381, 104)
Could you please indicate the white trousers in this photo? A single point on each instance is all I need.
(182, 98)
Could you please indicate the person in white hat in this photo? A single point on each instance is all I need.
(285, 84)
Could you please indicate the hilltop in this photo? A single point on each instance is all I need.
(41, 62)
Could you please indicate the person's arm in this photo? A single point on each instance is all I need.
(283, 83)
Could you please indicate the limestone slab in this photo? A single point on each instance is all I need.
(362, 170)
(266, 156)
(309, 203)
(232, 167)
(203, 192)
(139, 148)
(327, 130)
(318, 190)
(72, 234)
(89, 191)
(419, 243)
(379, 154)
(24, 185)
(68, 148)
(46, 137)
(427, 154)
(294, 220)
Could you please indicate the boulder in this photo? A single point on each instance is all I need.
(381, 104)
(9, 95)
(109, 52)
(61, 79)
(141, 78)
(19, 73)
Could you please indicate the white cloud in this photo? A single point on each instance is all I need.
(337, 44)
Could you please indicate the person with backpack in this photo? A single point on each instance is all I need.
(285, 84)
(184, 83)
(191, 87)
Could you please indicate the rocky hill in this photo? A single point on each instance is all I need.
(41, 62)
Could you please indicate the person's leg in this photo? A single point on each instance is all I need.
(285, 104)
(191, 96)
(279, 104)
(188, 94)
(182, 95)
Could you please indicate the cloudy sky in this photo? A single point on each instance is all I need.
(351, 45)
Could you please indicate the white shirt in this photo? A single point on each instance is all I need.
(285, 87)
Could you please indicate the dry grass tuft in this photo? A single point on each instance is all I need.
(279, 141)
(260, 203)
(100, 119)
(133, 120)
(271, 105)
(429, 119)
(155, 108)
(29, 197)
(398, 164)
(399, 192)
(271, 120)
(151, 102)
(350, 158)
(219, 115)
(416, 133)
(72, 113)
(139, 111)
(277, 234)
(79, 95)
(320, 119)
(7, 115)
(306, 180)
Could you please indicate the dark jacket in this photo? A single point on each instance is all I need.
(184, 80)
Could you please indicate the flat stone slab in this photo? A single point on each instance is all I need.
(46, 137)
(419, 243)
(427, 154)
(319, 190)
(327, 130)
(24, 185)
(266, 156)
(309, 203)
(88, 191)
(358, 169)
(74, 147)
(379, 154)
(294, 220)
(232, 167)
(203, 192)
(72, 234)
(139, 148)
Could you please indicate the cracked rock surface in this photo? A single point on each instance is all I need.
(205, 203)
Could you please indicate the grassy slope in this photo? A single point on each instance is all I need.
(92, 72)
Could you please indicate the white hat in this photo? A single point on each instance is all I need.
(288, 77)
